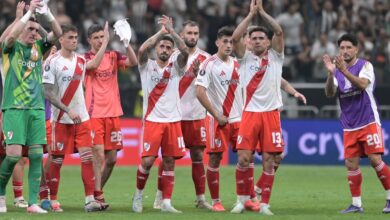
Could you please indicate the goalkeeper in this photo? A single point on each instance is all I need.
(103, 101)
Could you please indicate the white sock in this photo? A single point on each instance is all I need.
(200, 197)
(357, 201)
(243, 199)
(89, 198)
(387, 194)
(139, 192)
(167, 202)
(159, 193)
(215, 201)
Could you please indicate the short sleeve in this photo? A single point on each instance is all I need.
(49, 71)
(204, 74)
(367, 72)
(142, 68)
(121, 59)
(335, 83)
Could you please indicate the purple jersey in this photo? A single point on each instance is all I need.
(358, 108)
(47, 110)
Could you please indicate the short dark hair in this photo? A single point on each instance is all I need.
(225, 31)
(93, 29)
(165, 37)
(33, 19)
(68, 28)
(263, 29)
(190, 23)
(348, 37)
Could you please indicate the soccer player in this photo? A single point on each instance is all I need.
(160, 84)
(261, 76)
(218, 90)
(71, 128)
(353, 79)
(103, 104)
(193, 115)
(23, 103)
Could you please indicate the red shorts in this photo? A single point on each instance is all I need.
(218, 137)
(167, 135)
(364, 141)
(261, 132)
(69, 137)
(194, 133)
(107, 132)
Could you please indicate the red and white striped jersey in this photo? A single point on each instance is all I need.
(190, 106)
(261, 80)
(223, 86)
(161, 90)
(67, 75)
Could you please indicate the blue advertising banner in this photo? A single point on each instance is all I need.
(317, 142)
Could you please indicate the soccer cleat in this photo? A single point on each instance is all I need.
(252, 206)
(104, 205)
(3, 206)
(55, 206)
(165, 207)
(92, 206)
(20, 203)
(137, 203)
(203, 204)
(352, 209)
(218, 207)
(35, 209)
(238, 208)
(157, 200)
(265, 209)
(386, 209)
(45, 204)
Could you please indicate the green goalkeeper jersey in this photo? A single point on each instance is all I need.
(22, 75)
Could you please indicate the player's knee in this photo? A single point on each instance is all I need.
(351, 164)
(214, 160)
(375, 159)
(110, 162)
(147, 162)
(244, 160)
(169, 163)
(197, 156)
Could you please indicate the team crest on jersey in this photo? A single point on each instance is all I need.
(81, 66)
(146, 146)
(34, 54)
(60, 146)
(10, 134)
(218, 142)
(239, 139)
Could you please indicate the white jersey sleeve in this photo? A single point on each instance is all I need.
(49, 71)
(367, 72)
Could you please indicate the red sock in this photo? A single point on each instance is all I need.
(251, 174)
(212, 175)
(383, 173)
(355, 182)
(168, 181)
(260, 182)
(242, 181)
(159, 178)
(98, 194)
(267, 186)
(142, 177)
(18, 189)
(44, 187)
(199, 177)
(54, 173)
(87, 172)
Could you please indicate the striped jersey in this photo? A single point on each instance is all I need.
(22, 74)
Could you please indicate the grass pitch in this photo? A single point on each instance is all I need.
(300, 192)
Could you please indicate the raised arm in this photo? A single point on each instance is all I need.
(131, 57)
(19, 25)
(238, 45)
(55, 27)
(95, 62)
(181, 46)
(330, 88)
(146, 47)
(19, 15)
(277, 39)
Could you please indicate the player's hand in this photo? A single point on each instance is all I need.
(34, 4)
(340, 63)
(253, 7)
(259, 5)
(19, 9)
(329, 65)
(106, 32)
(195, 67)
(53, 50)
(301, 97)
(74, 116)
(222, 120)
(167, 22)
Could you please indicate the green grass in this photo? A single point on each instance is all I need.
(300, 192)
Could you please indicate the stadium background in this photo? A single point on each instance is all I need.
(312, 132)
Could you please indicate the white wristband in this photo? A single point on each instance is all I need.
(49, 16)
(26, 17)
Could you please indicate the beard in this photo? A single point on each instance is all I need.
(190, 44)
(163, 57)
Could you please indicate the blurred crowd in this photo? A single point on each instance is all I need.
(311, 27)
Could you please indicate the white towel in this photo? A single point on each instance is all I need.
(123, 30)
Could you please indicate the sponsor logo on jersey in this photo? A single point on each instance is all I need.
(29, 64)
(230, 81)
(104, 74)
(70, 78)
